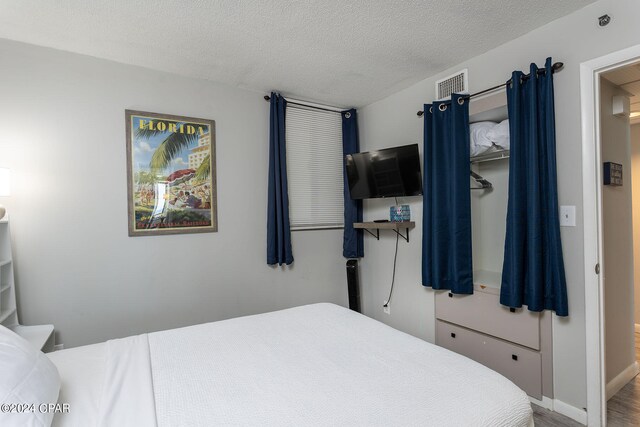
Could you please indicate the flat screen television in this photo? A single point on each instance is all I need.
(390, 172)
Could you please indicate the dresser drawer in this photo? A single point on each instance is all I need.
(483, 312)
(521, 365)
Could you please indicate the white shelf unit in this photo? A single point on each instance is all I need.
(40, 336)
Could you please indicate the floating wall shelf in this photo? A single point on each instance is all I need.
(391, 225)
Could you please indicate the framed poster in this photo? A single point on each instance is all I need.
(171, 174)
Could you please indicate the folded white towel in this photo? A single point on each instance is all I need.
(479, 141)
(499, 135)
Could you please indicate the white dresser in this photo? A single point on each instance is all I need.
(516, 343)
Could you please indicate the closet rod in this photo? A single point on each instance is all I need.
(315, 107)
(555, 67)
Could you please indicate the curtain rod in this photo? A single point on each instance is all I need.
(555, 67)
(315, 107)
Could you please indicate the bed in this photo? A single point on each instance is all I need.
(313, 365)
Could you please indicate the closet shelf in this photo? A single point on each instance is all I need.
(493, 155)
(390, 225)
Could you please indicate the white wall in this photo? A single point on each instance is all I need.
(62, 132)
(572, 39)
(617, 221)
(488, 210)
(635, 175)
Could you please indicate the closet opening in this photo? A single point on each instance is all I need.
(477, 325)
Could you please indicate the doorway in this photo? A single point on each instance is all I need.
(599, 254)
(620, 154)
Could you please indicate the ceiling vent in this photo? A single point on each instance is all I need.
(456, 83)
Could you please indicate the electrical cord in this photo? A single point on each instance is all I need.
(393, 278)
(395, 258)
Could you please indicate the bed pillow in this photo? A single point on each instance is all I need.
(28, 378)
(499, 134)
(478, 137)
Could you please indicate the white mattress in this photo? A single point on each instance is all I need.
(314, 365)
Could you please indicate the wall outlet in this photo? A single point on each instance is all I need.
(386, 308)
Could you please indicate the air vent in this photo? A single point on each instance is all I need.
(456, 83)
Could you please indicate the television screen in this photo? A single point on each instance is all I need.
(390, 172)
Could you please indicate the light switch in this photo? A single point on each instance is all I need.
(567, 216)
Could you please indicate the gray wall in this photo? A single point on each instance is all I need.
(617, 239)
(635, 175)
(572, 39)
(62, 133)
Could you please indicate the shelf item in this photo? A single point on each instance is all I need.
(391, 225)
(40, 336)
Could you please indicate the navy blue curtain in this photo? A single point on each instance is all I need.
(533, 269)
(352, 240)
(446, 214)
(278, 230)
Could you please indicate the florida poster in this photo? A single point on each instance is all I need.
(171, 174)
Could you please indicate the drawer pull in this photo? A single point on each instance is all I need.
(513, 310)
(450, 295)
(453, 335)
(514, 356)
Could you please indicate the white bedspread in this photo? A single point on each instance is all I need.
(314, 365)
(322, 365)
(127, 395)
(82, 375)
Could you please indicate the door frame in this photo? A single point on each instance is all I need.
(592, 216)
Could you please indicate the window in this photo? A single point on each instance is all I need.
(314, 168)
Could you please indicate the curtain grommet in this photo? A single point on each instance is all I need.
(431, 109)
(442, 107)
(461, 101)
(347, 115)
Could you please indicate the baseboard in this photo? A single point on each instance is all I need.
(637, 327)
(546, 402)
(622, 379)
(579, 415)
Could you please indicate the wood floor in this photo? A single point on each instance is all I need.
(546, 418)
(623, 409)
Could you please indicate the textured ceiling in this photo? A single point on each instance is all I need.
(346, 53)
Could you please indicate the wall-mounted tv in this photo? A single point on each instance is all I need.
(390, 172)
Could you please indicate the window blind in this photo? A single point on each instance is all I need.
(314, 168)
